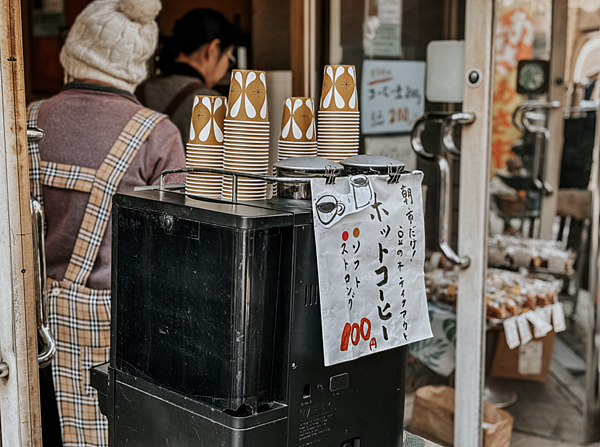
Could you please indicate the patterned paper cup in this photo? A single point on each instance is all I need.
(248, 96)
(298, 123)
(339, 89)
(208, 115)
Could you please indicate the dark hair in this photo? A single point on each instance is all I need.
(194, 29)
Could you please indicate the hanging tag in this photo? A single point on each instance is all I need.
(524, 329)
(540, 327)
(558, 317)
(546, 314)
(511, 332)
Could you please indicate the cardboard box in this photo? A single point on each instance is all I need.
(525, 362)
(433, 418)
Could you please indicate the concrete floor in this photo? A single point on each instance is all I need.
(547, 414)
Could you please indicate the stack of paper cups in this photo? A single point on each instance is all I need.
(298, 131)
(339, 118)
(246, 141)
(205, 145)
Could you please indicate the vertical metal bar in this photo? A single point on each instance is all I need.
(473, 223)
(592, 407)
(557, 92)
(234, 188)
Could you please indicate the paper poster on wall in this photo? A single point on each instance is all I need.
(370, 244)
(392, 95)
(48, 18)
(382, 28)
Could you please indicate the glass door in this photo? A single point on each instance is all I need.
(421, 110)
(489, 137)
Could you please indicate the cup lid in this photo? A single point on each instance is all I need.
(378, 163)
(312, 164)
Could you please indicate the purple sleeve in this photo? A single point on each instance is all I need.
(164, 151)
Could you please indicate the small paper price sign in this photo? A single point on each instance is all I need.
(370, 255)
(392, 96)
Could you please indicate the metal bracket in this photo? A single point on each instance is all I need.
(330, 174)
(3, 370)
(394, 173)
(335, 172)
(448, 120)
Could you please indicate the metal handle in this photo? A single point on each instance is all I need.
(39, 269)
(442, 163)
(521, 122)
(34, 134)
(448, 126)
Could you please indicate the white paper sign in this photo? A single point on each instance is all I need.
(370, 244)
(558, 317)
(382, 28)
(511, 333)
(524, 329)
(530, 358)
(392, 95)
(540, 327)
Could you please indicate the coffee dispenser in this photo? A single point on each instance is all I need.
(216, 333)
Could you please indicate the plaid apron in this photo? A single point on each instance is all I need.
(80, 316)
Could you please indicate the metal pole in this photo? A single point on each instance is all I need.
(592, 413)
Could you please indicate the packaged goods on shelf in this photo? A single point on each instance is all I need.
(512, 252)
(507, 293)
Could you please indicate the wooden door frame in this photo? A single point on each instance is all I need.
(557, 92)
(20, 416)
(473, 224)
(303, 47)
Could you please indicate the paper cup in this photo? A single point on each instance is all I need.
(208, 115)
(248, 96)
(339, 89)
(298, 123)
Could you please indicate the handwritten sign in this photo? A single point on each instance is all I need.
(382, 28)
(370, 255)
(392, 95)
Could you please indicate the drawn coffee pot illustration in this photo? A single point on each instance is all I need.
(331, 207)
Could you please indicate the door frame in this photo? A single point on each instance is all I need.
(20, 416)
(473, 224)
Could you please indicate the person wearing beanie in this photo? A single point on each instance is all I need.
(99, 140)
(192, 61)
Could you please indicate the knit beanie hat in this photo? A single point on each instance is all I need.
(111, 41)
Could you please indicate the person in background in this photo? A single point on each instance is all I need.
(192, 62)
(98, 140)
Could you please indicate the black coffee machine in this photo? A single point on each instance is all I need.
(216, 333)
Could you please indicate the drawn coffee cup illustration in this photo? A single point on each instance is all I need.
(328, 208)
(362, 191)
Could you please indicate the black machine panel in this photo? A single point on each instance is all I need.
(216, 323)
